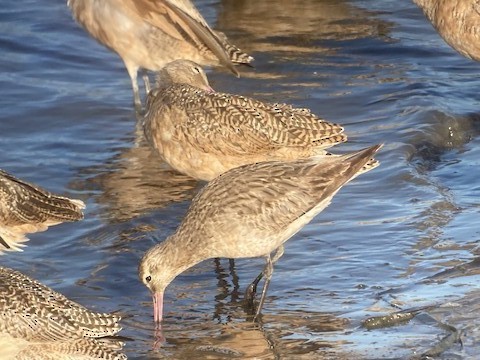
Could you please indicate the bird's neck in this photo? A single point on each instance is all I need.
(163, 80)
(181, 253)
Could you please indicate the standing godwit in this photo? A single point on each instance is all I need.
(203, 133)
(457, 21)
(26, 208)
(148, 34)
(250, 211)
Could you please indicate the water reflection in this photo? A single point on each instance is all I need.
(137, 181)
(452, 320)
(462, 269)
(292, 26)
(236, 339)
(224, 289)
(463, 314)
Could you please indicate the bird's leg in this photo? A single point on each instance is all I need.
(250, 293)
(136, 95)
(132, 71)
(267, 273)
(251, 290)
(146, 81)
(278, 254)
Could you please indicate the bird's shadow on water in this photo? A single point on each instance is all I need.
(440, 133)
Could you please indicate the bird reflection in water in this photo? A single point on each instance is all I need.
(136, 182)
(302, 24)
(194, 339)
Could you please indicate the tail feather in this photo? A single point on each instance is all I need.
(11, 240)
(370, 164)
(236, 55)
(321, 145)
(26, 208)
(362, 157)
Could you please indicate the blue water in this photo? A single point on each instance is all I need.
(67, 123)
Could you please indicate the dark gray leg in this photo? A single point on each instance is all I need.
(267, 273)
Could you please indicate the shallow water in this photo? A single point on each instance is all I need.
(404, 235)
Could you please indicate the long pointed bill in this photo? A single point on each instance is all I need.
(157, 306)
(208, 89)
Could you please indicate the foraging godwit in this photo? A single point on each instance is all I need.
(250, 211)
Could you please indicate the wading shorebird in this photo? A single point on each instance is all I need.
(33, 312)
(148, 34)
(26, 208)
(457, 22)
(250, 211)
(202, 133)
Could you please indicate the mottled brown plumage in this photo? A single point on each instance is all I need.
(203, 133)
(250, 211)
(26, 208)
(457, 21)
(150, 33)
(32, 311)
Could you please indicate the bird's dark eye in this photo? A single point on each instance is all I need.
(197, 69)
(148, 278)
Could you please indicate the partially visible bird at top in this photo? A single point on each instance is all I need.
(147, 34)
(203, 133)
(26, 208)
(457, 22)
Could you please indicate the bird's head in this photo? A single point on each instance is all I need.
(184, 72)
